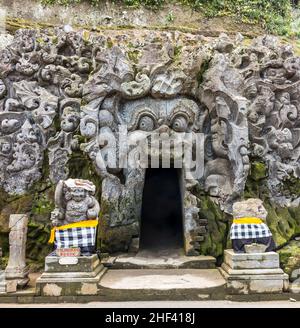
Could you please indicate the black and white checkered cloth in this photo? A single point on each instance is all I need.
(75, 237)
(251, 230)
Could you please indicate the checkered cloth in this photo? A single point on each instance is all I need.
(75, 237)
(250, 230)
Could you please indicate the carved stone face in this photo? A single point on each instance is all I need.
(285, 98)
(77, 194)
(70, 120)
(165, 119)
(150, 114)
(276, 75)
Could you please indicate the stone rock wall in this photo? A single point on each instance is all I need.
(59, 90)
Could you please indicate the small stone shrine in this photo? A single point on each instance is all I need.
(254, 270)
(73, 269)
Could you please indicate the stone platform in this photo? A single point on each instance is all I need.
(167, 284)
(167, 259)
(252, 273)
(69, 276)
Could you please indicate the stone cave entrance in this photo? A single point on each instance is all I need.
(162, 214)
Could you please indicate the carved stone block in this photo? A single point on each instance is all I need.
(253, 273)
(71, 276)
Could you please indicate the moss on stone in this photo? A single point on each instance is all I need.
(200, 75)
(134, 55)
(284, 222)
(218, 224)
(258, 171)
(290, 257)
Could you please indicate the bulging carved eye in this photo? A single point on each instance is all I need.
(146, 123)
(180, 124)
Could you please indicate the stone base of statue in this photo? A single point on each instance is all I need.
(2, 282)
(294, 286)
(253, 273)
(16, 278)
(70, 276)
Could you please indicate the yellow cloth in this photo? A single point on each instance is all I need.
(81, 224)
(247, 220)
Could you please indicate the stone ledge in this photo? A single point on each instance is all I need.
(82, 299)
(249, 273)
(84, 264)
(268, 260)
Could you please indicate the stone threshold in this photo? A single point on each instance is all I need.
(154, 259)
(34, 299)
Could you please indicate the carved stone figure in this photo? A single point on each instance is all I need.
(62, 92)
(16, 272)
(75, 203)
(249, 229)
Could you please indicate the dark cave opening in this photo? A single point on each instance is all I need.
(161, 220)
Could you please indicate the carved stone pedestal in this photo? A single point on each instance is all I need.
(16, 272)
(70, 276)
(253, 273)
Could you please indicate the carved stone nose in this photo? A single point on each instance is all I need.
(163, 129)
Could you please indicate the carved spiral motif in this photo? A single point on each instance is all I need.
(146, 123)
(180, 124)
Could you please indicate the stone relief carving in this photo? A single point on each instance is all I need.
(56, 85)
(74, 202)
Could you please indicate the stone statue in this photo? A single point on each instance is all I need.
(249, 233)
(75, 203)
(16, 272)
(66, 90)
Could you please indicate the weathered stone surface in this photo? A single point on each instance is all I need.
(290, 259)
(161, 260)
(252, 207)
(84, 264)
(162, 279)
(70, 280)
(74, 202)
(253, 273)
(16, 271)
(251, 261)
(243, 98)
(294, 287)
(255, 248)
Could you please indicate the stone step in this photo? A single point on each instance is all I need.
(159, 260)
(169, 284)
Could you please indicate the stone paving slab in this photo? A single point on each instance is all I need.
(162, 279)
(169, 259)
(159, 284)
